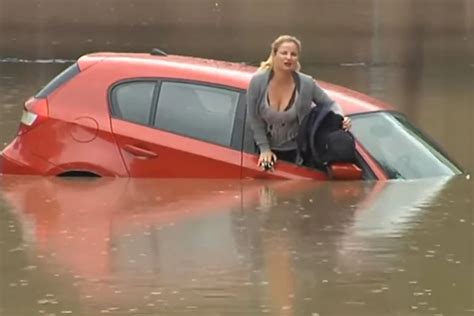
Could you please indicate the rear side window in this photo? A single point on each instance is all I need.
(132, 101)
(202, 112)
(59, 80)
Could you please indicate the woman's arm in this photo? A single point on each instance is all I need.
(256, 121)
(320, 97)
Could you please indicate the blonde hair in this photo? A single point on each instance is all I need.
(268, 64)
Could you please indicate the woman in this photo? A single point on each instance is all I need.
(278, 98)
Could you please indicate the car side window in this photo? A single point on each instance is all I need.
(198, 111)
(132, 101)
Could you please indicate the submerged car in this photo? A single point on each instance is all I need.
(168, 116)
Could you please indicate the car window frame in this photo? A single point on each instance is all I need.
(237, 133)
(112, 99)
(58, 81)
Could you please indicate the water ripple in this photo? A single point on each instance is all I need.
(15, 60)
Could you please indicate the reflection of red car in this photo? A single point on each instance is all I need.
(154, 115)
(169, 232)
(119, 241)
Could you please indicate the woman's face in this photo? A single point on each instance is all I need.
(286, 57)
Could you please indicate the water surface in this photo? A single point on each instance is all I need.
(189, 247)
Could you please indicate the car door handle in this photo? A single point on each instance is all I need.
(140, 152)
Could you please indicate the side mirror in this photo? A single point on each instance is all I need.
(344, 171)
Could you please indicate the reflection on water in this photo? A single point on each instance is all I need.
(172, 247)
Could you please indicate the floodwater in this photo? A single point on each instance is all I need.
(192, 247)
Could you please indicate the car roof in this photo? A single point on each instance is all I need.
(228, 73)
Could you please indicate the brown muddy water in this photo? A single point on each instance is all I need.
(192, 247)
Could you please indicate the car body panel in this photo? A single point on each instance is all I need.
(55, 142)
(24, 161)
(167, 155)
(28, 165)
(282, 170)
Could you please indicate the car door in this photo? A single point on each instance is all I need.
(178, 129)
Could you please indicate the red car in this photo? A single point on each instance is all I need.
(164, 116)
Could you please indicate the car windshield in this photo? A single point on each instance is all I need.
(399, 148)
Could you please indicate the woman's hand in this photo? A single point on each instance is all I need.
(267, 158)
(346, 123)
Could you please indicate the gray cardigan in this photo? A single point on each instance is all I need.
(308, 92)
